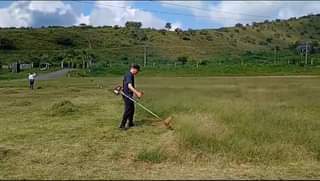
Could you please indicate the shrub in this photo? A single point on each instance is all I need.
(186, 38)
(191, 31)
(78, 73)
(182, 59)
(269, 40)
(116, 27)
(7, 44)
(203, 62)
(133, 24)
(239, 25)
(163, 31)
(263, 43)
(254, 24)
(209, 38)
(65, 41)
(178, 30)
(203, 32)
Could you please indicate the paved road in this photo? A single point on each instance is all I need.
(53, 75)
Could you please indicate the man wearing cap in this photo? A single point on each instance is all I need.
(130, 90)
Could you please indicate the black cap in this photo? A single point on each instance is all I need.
(135, 66)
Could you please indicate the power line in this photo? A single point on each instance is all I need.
(209, 10)
(165, 12)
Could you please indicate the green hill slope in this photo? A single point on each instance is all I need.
(113, 44)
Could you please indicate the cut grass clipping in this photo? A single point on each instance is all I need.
(63, 108)
(155, 155)
(20, 103)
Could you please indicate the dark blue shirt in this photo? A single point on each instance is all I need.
(128, 78)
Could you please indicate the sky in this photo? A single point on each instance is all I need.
(155, 14)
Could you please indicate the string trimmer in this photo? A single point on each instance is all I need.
(167, 122)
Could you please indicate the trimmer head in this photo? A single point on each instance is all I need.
(167, 122)
(117, 90)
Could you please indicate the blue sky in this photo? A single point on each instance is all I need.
(183, 14)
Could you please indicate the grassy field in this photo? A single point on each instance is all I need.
(224, 127)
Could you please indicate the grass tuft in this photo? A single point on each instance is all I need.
(63, 108)
(155, 155)
(201, 132)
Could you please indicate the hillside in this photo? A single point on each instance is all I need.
(257, 42)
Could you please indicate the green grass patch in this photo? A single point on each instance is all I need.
(151, 155)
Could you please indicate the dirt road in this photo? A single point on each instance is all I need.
(54, 75)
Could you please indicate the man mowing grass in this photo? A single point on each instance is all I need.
(129, 89)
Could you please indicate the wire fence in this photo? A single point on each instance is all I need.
(155, 57)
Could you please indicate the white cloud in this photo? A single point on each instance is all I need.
(176, 25)
(83, 19)
(228, 13)
(225, 13)
(49, 7)
(119, 12)
(14, 15)
(45, 13)
(38, 13)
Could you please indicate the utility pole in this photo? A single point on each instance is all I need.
(145, 56)
(89, 43)
(306, 61)
(275, 56)
(62, 63)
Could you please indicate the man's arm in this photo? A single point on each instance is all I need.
(135, 91)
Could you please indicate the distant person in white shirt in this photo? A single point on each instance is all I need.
(31, 78)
